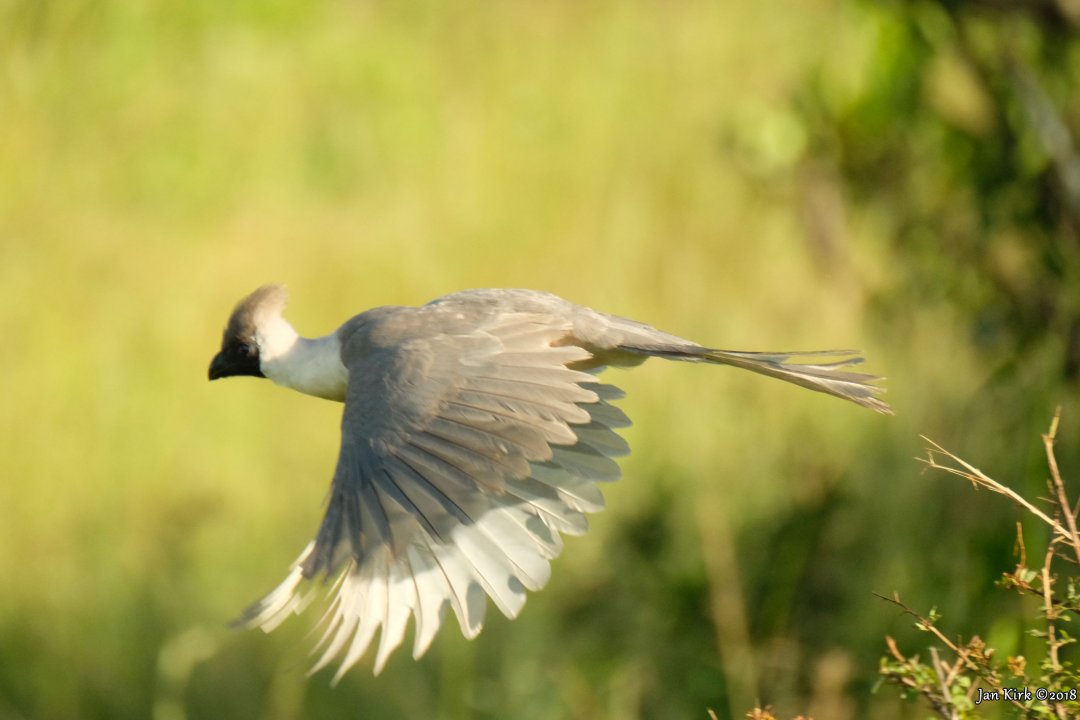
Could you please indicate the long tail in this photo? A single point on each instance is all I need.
(828, 377)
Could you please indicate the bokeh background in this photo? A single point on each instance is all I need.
(754, 174)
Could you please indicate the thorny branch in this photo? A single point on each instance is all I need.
(971, 655)
(940, 683)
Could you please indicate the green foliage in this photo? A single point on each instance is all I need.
(960, 141)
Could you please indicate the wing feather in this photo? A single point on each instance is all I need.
(492, 437)
(551, 506)
(537, 408)
(401, 602)
(546, 377)
(371, 608)
(464, 458)
(491, 567)
(551, 430)
(608, 415)
(600, 437)
(536, 393)
(585, 461)
(575, 492)
(432, 591)
(486, 470)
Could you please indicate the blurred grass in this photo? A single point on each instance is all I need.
(160, 159)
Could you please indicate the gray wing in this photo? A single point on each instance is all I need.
(463, 457)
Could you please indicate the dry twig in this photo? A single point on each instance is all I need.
(979, 479)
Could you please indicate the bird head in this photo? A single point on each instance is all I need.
(241, 342)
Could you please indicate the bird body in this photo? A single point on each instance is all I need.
(474, 433)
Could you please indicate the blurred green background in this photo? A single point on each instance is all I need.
(754, 174)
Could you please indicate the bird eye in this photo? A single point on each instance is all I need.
(245, 349)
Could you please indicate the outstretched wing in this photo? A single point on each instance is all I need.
(463, 458)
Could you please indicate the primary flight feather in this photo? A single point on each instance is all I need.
(474, 433)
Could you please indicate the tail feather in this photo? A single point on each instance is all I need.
(827, 377)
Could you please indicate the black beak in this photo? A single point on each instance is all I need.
(219, 366)
(235, 360)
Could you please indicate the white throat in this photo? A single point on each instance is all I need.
(310, 366)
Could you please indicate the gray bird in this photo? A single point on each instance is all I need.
(474, 433)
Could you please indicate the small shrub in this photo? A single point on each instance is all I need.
(961, 675)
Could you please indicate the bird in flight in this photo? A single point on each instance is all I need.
(474, 434)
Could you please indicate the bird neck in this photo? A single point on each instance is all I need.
(309, 365)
